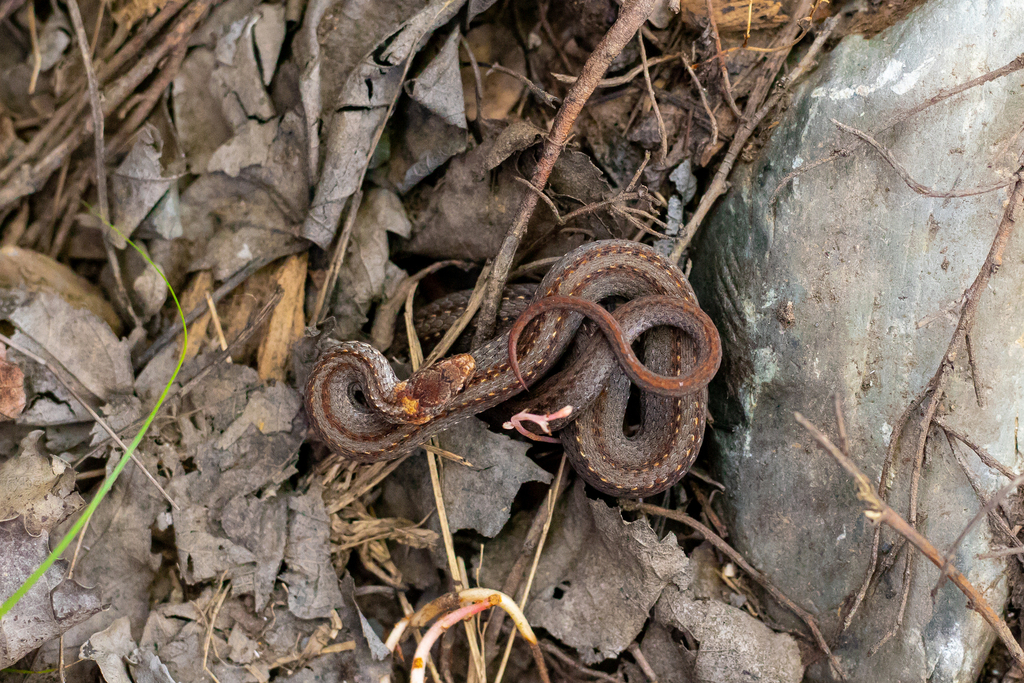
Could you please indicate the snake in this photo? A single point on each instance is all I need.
(363, 413)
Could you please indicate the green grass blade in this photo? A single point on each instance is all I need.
(108, 482)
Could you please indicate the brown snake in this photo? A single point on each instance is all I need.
(363, 413)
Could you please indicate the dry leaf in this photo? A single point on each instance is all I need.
(732, 15)
(31, 271)
(272, 356)
(12, 388)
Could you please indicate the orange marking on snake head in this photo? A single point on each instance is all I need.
(427, 393)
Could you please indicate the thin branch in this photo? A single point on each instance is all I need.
(988, 507)
(720, 56)
(96, 107)
(755, 114)
(1011, 67)
(382, 333)
(936, 385)
(631, 15)
(625, 78)
(833, 155)
(545, 98)
(906, 177)
(472, 306)
(880, 513)
(553, 492)
(37, 56)
(998, 520)
(980, 451)
(662, 133)
(1014, 65)
(32, 180)
(515, 575)
(703, 101)
(337, 257)
(478, 83)
(201, 308)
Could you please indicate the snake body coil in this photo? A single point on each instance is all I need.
(363, 413)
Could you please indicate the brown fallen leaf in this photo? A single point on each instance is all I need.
(286, 322)
(12, 388)
(35, 272)
(732, 15)
(192, 297)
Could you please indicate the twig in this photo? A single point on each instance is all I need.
(95, 416)
(143, 104)
(880, 513)
(905, 176)
(756, 575)
(642, 662)
(529, 548)
(631, 15)
(478, 83)
(1014, 65)
(256, 321)
(835, 154)
(569, 661)
(654, 101)
(545, 98)
(218, 602)
(982, 454)
(96, 107)
(720, 56)
(937, 384)
(755, 114)
(340, 249)
(624, 78)
(979, 397)
(883, 494)
(100, 11)
(997, 519)
(703, 101)
(987, 508)
(113, 97)
(416, 358)
(472, 306)
(383, 332)
(37, 56)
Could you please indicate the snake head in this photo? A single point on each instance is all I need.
(428, 393)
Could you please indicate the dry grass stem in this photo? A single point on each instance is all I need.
(337, 257)
(550, 501)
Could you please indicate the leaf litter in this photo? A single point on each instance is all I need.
(357, 128)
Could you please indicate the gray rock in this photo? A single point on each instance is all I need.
(851, 286)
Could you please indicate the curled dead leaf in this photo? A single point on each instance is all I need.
(12, 388)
